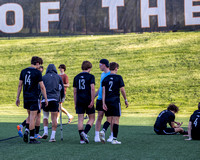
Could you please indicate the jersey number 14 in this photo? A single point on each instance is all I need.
(28, 79)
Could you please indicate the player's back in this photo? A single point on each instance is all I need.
(31, 77)
(112, 84)
(195, 119)
(163, 118)
(82, 83)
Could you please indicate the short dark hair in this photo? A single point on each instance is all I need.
(113, 65)
(62, 66)
(36, 59)
(86, 65)
(173, 107)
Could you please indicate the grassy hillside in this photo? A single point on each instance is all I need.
(158, 68)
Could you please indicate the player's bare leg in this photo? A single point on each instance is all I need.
(98, 125)
(54, 126)
(33, 115)
(115, 129)
(45, 124)
(37, 126)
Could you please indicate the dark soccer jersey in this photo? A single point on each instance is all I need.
(82, 83)
(163, 118)
(30, 77)
(112, 84)
(195, 119)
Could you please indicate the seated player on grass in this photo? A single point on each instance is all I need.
(194, 125)
(168, 116)
(112, 85)
(37, 123)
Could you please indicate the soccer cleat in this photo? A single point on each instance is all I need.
(102, 136)
(85, 137)
(37, 136)
(97, 139)
(19, 128)
(82, 142)
(110, 139)
(44, 136)
(115, 142)
(52, 140)
(25, 137)
(70, 119)
(34, 142)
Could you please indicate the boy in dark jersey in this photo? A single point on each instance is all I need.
(84, 94)
(37, 123)
(29, 79)
(112, 85)
(168, 116)
(194, 125)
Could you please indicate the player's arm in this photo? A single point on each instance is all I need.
(43, 90)
(189, 131)
(92, 95)
(75, 92)
(103, 99)
(178, 123)
(66, 83)
(124, 95)
(19, 92)
(96, 94)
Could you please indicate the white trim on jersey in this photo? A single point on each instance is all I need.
(168, 132)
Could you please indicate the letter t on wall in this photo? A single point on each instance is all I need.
(112, 6)
(45, 17)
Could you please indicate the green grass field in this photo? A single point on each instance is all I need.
(158, 69)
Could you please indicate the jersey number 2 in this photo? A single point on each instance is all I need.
(110, 85)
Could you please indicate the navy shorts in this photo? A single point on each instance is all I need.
(52, 106)
(82, 108)
(166, 131)
(99, 105)
(32, 105)
(114, 109)
(195, 134)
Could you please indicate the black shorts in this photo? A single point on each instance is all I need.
(114, 109)
(32, 105)
(99, 105)
(52, 106)
(195, 134)
(82, 108)
(166, 131)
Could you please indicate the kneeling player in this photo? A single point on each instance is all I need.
(84, 94)
(168, 116)
(112, 85)
(194, 125)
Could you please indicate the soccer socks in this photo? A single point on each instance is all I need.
(27, 127)
(24, 123)
(87, 128)
(46, 130)
(105, 126)
(37, 129)
(115, 131)
(53, 133)
(32, 133)
(96, 133)
(80, 134)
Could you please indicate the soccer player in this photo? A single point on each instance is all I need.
(29, 80)
(104, 66)
(194, 125)
(55, 93)
(37, 123)
(84, 94)
(65, 80)
(112, 85)
(168, 116)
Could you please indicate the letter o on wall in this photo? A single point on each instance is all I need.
(18, 14)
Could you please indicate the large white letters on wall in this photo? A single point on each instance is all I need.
(18, 18)
(159, 11)
(190, 9)
(45, 17)
(112, 7)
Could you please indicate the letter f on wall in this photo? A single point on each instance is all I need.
(112, 7)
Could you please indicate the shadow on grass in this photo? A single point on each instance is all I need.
(138, 142)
